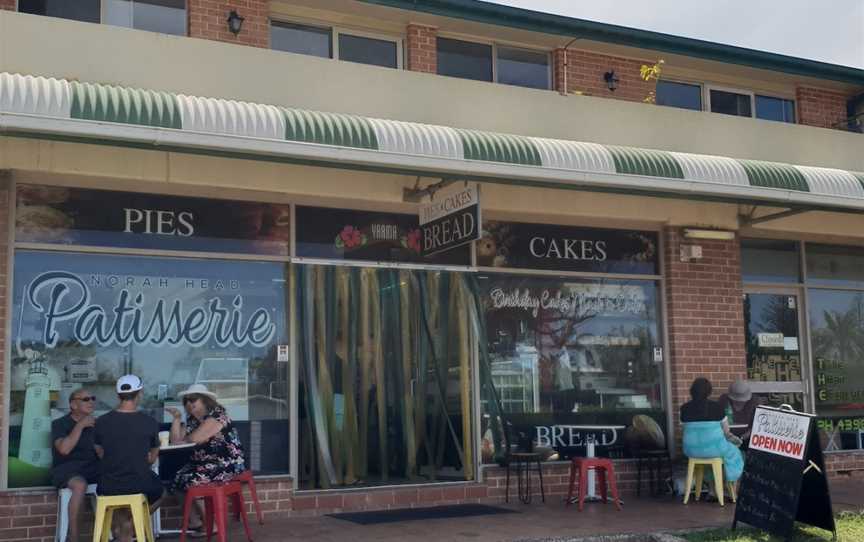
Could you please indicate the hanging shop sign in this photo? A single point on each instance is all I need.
(73, 216)
(451, 219)
(343, 234)
(784, 477)
(567, 248)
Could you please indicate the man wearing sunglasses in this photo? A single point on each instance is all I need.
(75, 461)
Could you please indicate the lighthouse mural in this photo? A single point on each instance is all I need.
(35, 447)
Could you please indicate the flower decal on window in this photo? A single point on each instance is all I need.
(412, 240)
(350, 237)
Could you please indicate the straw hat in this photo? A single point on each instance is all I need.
(197, 389)
(740, 391)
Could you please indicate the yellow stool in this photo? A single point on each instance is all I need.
(137, 504)
(698, 465)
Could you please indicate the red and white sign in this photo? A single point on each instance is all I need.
(779, 432)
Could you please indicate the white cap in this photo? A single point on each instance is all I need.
(128, 384)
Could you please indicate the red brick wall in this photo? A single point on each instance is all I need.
(823, 108)
(705, 315)
(208, 19)
(8, 4)
(422, 48)
(584, 73)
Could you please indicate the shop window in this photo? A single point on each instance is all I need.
(384, 363)
(731, 103)
(464, 59)
(328, 42)
(770, 261)
(523, 67)
(779, 109)
(565, 353)
(837, 335)
(681, 95)
(165, 16)
(83, 320)
(835, 266)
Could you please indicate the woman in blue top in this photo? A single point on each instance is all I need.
(706, 431)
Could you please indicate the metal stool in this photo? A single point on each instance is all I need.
(652, 460)
(523, 461)
(604, 469)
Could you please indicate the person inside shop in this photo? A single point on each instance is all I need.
(75, 462)
(218, 456)
(740, 402)
(127, 441)
(706, 431)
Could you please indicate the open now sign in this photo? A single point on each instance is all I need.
(779, 432)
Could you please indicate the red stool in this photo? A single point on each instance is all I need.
(603, 468)
(245, 477)
(215, 507)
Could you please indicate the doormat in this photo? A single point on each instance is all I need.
(412, 514)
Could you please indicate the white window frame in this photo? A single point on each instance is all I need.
(102, 16)
(508, 45)
(336, 31)
(750, 93)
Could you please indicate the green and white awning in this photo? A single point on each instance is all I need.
(39, 105)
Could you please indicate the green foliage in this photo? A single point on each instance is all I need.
(850, 528)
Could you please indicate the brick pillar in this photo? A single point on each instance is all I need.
(822, 108)
(585, 70)
(8, 5)
(422, 48)
(705, 316)
(208, 19)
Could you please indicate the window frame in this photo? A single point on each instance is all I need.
(691, 83)
(337, 30)
(706, 100)
(102, 17)
(508, 45)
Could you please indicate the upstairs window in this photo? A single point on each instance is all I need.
(731, 103)
(681, 95)
(498, 63)
(165, 16)
(779, 109)
(328, 42)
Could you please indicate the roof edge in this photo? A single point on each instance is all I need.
(547, 23)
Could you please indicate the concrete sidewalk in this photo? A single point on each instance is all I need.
(534, 521)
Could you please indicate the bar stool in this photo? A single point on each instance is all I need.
(523, 461)
(605, 471)
(697, 466)
(246, 477)
(216, 497)
(137, 504)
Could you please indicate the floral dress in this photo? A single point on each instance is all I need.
(217, 460)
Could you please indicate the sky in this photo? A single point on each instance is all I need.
(825, 30)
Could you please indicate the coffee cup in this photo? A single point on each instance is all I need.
(163, 438)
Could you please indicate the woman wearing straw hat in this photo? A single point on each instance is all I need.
(219, 455)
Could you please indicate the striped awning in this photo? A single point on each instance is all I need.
(29, 104)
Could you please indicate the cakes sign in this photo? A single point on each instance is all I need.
(451, 219)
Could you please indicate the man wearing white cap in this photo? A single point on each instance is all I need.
(128, 443)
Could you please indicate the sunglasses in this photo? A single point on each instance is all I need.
(190, 399)
(86, 399)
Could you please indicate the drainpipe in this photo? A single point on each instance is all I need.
(563, 90)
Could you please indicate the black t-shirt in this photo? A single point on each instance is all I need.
(83, 452)
(126, 438)
(702, 411)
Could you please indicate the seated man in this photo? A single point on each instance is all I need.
(127, 441)
(75, 462)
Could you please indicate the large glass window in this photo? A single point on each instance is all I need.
(385, 361)
(364, 50)
(165, 16)
(523, 67)
(835, 266)
(779, 109)
(301, 39)
(765, 260)
(465, 59)
(731, 103)
(683, 95)
(567, 354)
(83, 320)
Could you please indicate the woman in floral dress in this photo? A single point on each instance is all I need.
(218, 456)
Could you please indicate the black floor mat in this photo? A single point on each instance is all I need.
(412, 514)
